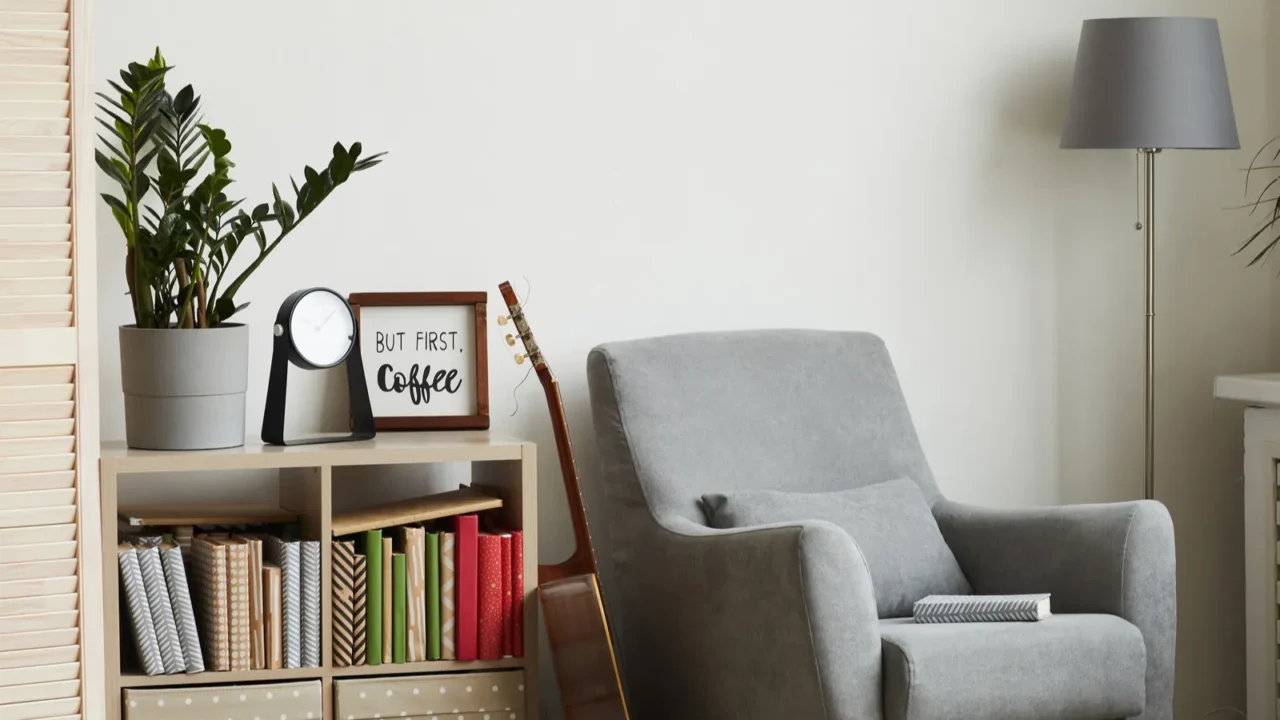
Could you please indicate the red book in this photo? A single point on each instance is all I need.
(517, 593)
(490, 562)
(466, 580)
(506, 595)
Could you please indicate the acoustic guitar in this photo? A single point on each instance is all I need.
(572, 606)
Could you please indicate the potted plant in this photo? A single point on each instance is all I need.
(183, 365)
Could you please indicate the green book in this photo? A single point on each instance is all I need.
(373, 597)
(433, 596)
(399, 597)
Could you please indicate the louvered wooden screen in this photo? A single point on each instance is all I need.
(48, 406)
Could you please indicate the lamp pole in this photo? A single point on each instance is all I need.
(1149, 154)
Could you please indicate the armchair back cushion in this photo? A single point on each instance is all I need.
(890, 522)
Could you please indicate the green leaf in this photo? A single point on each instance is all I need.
(115, 203)
(111, 170)
(184, 102)
(216, 140)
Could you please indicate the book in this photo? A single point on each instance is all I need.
(981, 608)
(489, 612)
(432, 597)
(415, 510)
(286, 555)
(257, 628)
(387, 601)
(413, 543)
(238, 602)
(344, 568)
(135, 596)
(373, 596)
(399, 599)
(505, 568)
(359, 603)
(517, 593)
(467, 528)
(209, 560)
(447, 550)
(161, 609)
(310, 619)
(272, 616)
(175, 577)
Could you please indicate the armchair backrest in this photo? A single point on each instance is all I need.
(788, 410)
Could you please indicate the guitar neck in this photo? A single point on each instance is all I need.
(583, 560)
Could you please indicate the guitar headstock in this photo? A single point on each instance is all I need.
(523, 334)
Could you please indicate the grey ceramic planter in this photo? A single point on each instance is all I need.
(184, 389)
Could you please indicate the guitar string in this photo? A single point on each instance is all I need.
(515, 392)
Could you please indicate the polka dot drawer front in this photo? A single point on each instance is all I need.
(464, 696)
(279, 701)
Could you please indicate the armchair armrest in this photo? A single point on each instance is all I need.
(769, 621)
(1115, 558)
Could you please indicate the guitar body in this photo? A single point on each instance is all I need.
(569, 593)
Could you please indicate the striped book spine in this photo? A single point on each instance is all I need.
(161, 610)
(175, 576)
(272, 609)
(285, 554)
(981, 608)
(447, 651)
(413, 541)
(344, 626)
(135, 595)
(310, 603)
(359, 599)
(238, 603)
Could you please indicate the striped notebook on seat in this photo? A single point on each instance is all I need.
(981, 608)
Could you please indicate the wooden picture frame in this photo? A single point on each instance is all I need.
(387, 388)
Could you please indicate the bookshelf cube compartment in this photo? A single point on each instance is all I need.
(226, 702)
(498, 694)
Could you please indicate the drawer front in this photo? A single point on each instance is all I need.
(469, 696)
(294, 701)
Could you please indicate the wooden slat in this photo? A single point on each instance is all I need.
(40, 604)
(29, 535)
(13, 91)
(42, 639)
(35, 233)
(52, 375)
(35, 162)
(35, 180)
(33, 20)
(246, 514)
(40, 691)
(36, 463)
(34, 73)
(38, 481)
(36, 393)
(39, 621)
(36, 446)
(41, 551)
(37, 346)
(43, 710)
(39, 658)
(12, 572)
(15, 287)
(36, 411)
(38, 516)
(33, 5)
(37, 499)
(34, 268)
(45, 673)
(35, 320)
(35, 216)
(33, 198)
(34, 143)
(33, 126)
(34, 56)
(34, 251)
(17, 39)
(52, 109)
(34, 303)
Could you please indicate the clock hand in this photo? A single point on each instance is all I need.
(327, 318)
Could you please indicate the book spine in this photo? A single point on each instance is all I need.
(508, 649)
(343, 580)
(413, 540)
(285, 554)
(399, 602)
(211, 569)
(175, 576)
(373, 596)
(257, 628)
(517, 593)
(432, 596)
(447, 651)
(272, 610)
(135, 595)
(310, 552)
(238, 599)
(161, 610)
(465, 576)
(490, 598)
(387, 602)
(359, 599)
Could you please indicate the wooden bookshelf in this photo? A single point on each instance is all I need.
(306, 484)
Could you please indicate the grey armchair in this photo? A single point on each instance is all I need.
(779, 621)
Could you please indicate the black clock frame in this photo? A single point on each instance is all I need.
(284, 353)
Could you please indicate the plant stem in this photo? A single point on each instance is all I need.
(185, 313)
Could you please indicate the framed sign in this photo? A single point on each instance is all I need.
(426, 363)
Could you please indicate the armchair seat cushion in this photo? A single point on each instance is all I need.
(1066, 667)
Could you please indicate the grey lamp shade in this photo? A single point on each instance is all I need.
(1157, 82)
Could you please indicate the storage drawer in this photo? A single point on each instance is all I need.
(294, 701)
(470, 696)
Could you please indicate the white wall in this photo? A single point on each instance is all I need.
(681, 165)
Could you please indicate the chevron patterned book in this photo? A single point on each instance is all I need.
(982, 608)
(310, 587)
(446, 596)
(344, 569)
(359, 635)
(161, 609)
(175, 576)
(135, 595)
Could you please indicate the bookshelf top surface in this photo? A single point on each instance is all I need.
(388, 448)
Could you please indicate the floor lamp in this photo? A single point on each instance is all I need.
(1150, 84)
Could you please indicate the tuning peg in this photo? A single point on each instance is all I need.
(511, 340)
(502, 319)
(519, 359)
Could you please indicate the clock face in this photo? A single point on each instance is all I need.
(322, 328)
